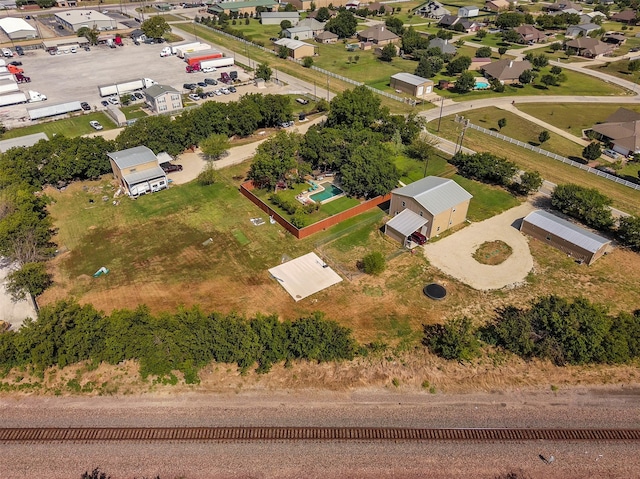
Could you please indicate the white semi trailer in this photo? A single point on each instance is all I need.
(125, 87)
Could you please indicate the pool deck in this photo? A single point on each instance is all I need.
(305, 196)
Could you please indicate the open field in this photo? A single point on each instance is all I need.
(552, 170)
(617, 69)
(69, 127)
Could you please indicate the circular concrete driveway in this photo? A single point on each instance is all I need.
(454, 255)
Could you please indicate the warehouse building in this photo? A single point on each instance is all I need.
(411, 84)
(577, 242)
(17, 28)
(295, 48)
(74, 20)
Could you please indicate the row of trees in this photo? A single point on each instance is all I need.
(66, 333)
(553, 328)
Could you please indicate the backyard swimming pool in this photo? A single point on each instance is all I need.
(330, 190)
(480, 85)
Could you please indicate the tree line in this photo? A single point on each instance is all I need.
(66, 333)
(552, 328)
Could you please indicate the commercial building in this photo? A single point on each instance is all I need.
(163, 98)
(412, 84)
(17, 28)
(429, 206)
(577, 242)
(74, 20)
(137, 171)
(275, 18)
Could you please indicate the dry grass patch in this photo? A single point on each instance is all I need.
(492, 252)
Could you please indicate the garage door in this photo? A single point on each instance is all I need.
(420, 91)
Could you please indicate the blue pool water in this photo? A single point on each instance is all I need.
(481, 85)
(329, 190)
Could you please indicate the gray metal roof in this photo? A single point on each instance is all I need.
(156, 90)
(407, 222)
(435, 194)
(137, 155)
(52, 110)
(27, 140)
(411, 79)
(144, 175)
(280, 15)
(566, 230)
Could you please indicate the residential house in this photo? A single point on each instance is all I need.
(296, 49)
(589, 47)
(448, 21)
(591, 16)
(617, 39)
(412, 84)
(429, 206)
(530, 34)
(452, 22)
(443, 45)
(352, 5)
(626, 16)
(378, 35)
(275, 18)
(622, 130)
(163, 98)
(432, 9)
(583, 30)
(327, 37)
(563, 6)
(506, 71)
(298, 33)
(376, 6)
(496, 5)
(137, 171)
(573, 240)
(478, 64)
(468, 12)
(314, 25)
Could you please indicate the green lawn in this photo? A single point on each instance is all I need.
(494, 40)
(618, 69)
(69, 127)
(134, 111)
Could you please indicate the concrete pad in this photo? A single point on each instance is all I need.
(454, 255)
(11, 311)
(304, 276)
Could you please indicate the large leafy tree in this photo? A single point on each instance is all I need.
(357, 108)
(585, 204)
(158, 133)
(369, 172)
(31, 279)
(155, 27)
(396, 25)
(465, 82)
(264, 71)
(274, 159)
(458, 65)
(629, 232)
(344, 24)
(323, 14)
(215, 145)
(428, 67)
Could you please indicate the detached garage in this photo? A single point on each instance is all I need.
(411, 84)
(404, 224)
(577, 242)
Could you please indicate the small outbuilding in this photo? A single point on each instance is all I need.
(327, 37)
(468, 12)
(275, 18)
(17, 28)
(137, 171)
(435, 204)
(412, 84)
(296, 49)
(577, 242)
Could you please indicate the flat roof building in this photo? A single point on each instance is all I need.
(17, 28)
(74, 20)
(412, 84)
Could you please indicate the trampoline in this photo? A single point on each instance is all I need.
(435, 291)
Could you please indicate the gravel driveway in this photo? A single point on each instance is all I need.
(454, 254)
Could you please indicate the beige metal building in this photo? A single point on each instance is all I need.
(163, 98)
(137, 171)
(430, 206)
(577, 242)
(296, 48)
(412, 84)
(74, 20)
(17, 28)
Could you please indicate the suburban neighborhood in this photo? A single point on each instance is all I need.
(334, 222)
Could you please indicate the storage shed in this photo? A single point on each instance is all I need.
(412, 84)
(296, 48)
(577, 242)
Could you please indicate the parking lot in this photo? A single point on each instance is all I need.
(76, 76)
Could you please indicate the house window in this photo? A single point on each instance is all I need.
(548, 238)
(403, 204)
(161, 183)
(421, 213)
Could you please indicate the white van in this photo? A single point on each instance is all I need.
(7, 53)
(166, 52)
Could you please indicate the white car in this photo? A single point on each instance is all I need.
(194, 97)
(114, 101)
(217, 92)
(95, 125)
(208, 70)
(73, 50)
(225, 91)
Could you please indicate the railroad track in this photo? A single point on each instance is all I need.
(310, 434)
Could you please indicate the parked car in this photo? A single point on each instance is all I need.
(87, 48)
(202, 84)
(19, 50)
(138, 95)
(7, 53)
(170, 167)
(302, 101)
(217, 92)
(85, 106)
(208, 70)
(418, 238)
(225, 91)
(611, 153)
(16, 63)
(114, 101)
(232, 89)
(74, 50)
(189, 86)
(194, 97)
(286, 124)
(95, 125)
(210, 81)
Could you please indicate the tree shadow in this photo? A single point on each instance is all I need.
(533, 143)
(578, 159)
(632, 179)
(540, 87)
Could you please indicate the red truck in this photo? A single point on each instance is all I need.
(20, 78)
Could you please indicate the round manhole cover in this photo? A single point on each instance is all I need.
(435, 291)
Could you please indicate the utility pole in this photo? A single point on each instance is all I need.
(440, 117)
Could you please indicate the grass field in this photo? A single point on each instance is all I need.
(133, 111)
(69, 127)
(618, 69)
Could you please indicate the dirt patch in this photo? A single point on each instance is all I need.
(492, 252)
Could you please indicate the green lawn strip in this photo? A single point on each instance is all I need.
(240, 237)
(487, 200)
(563, 115)
(256, 32)
(133, 111)
(552, 170)
(523, 130)
(617, 69)
(493, 40)
(412, 170)
(69, 127)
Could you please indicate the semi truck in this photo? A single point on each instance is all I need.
(182, 50)
(125, 86)
(20, 78)
(197, 57)
(15, 98)
(210, 65)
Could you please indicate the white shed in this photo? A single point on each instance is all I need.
(468, 12)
